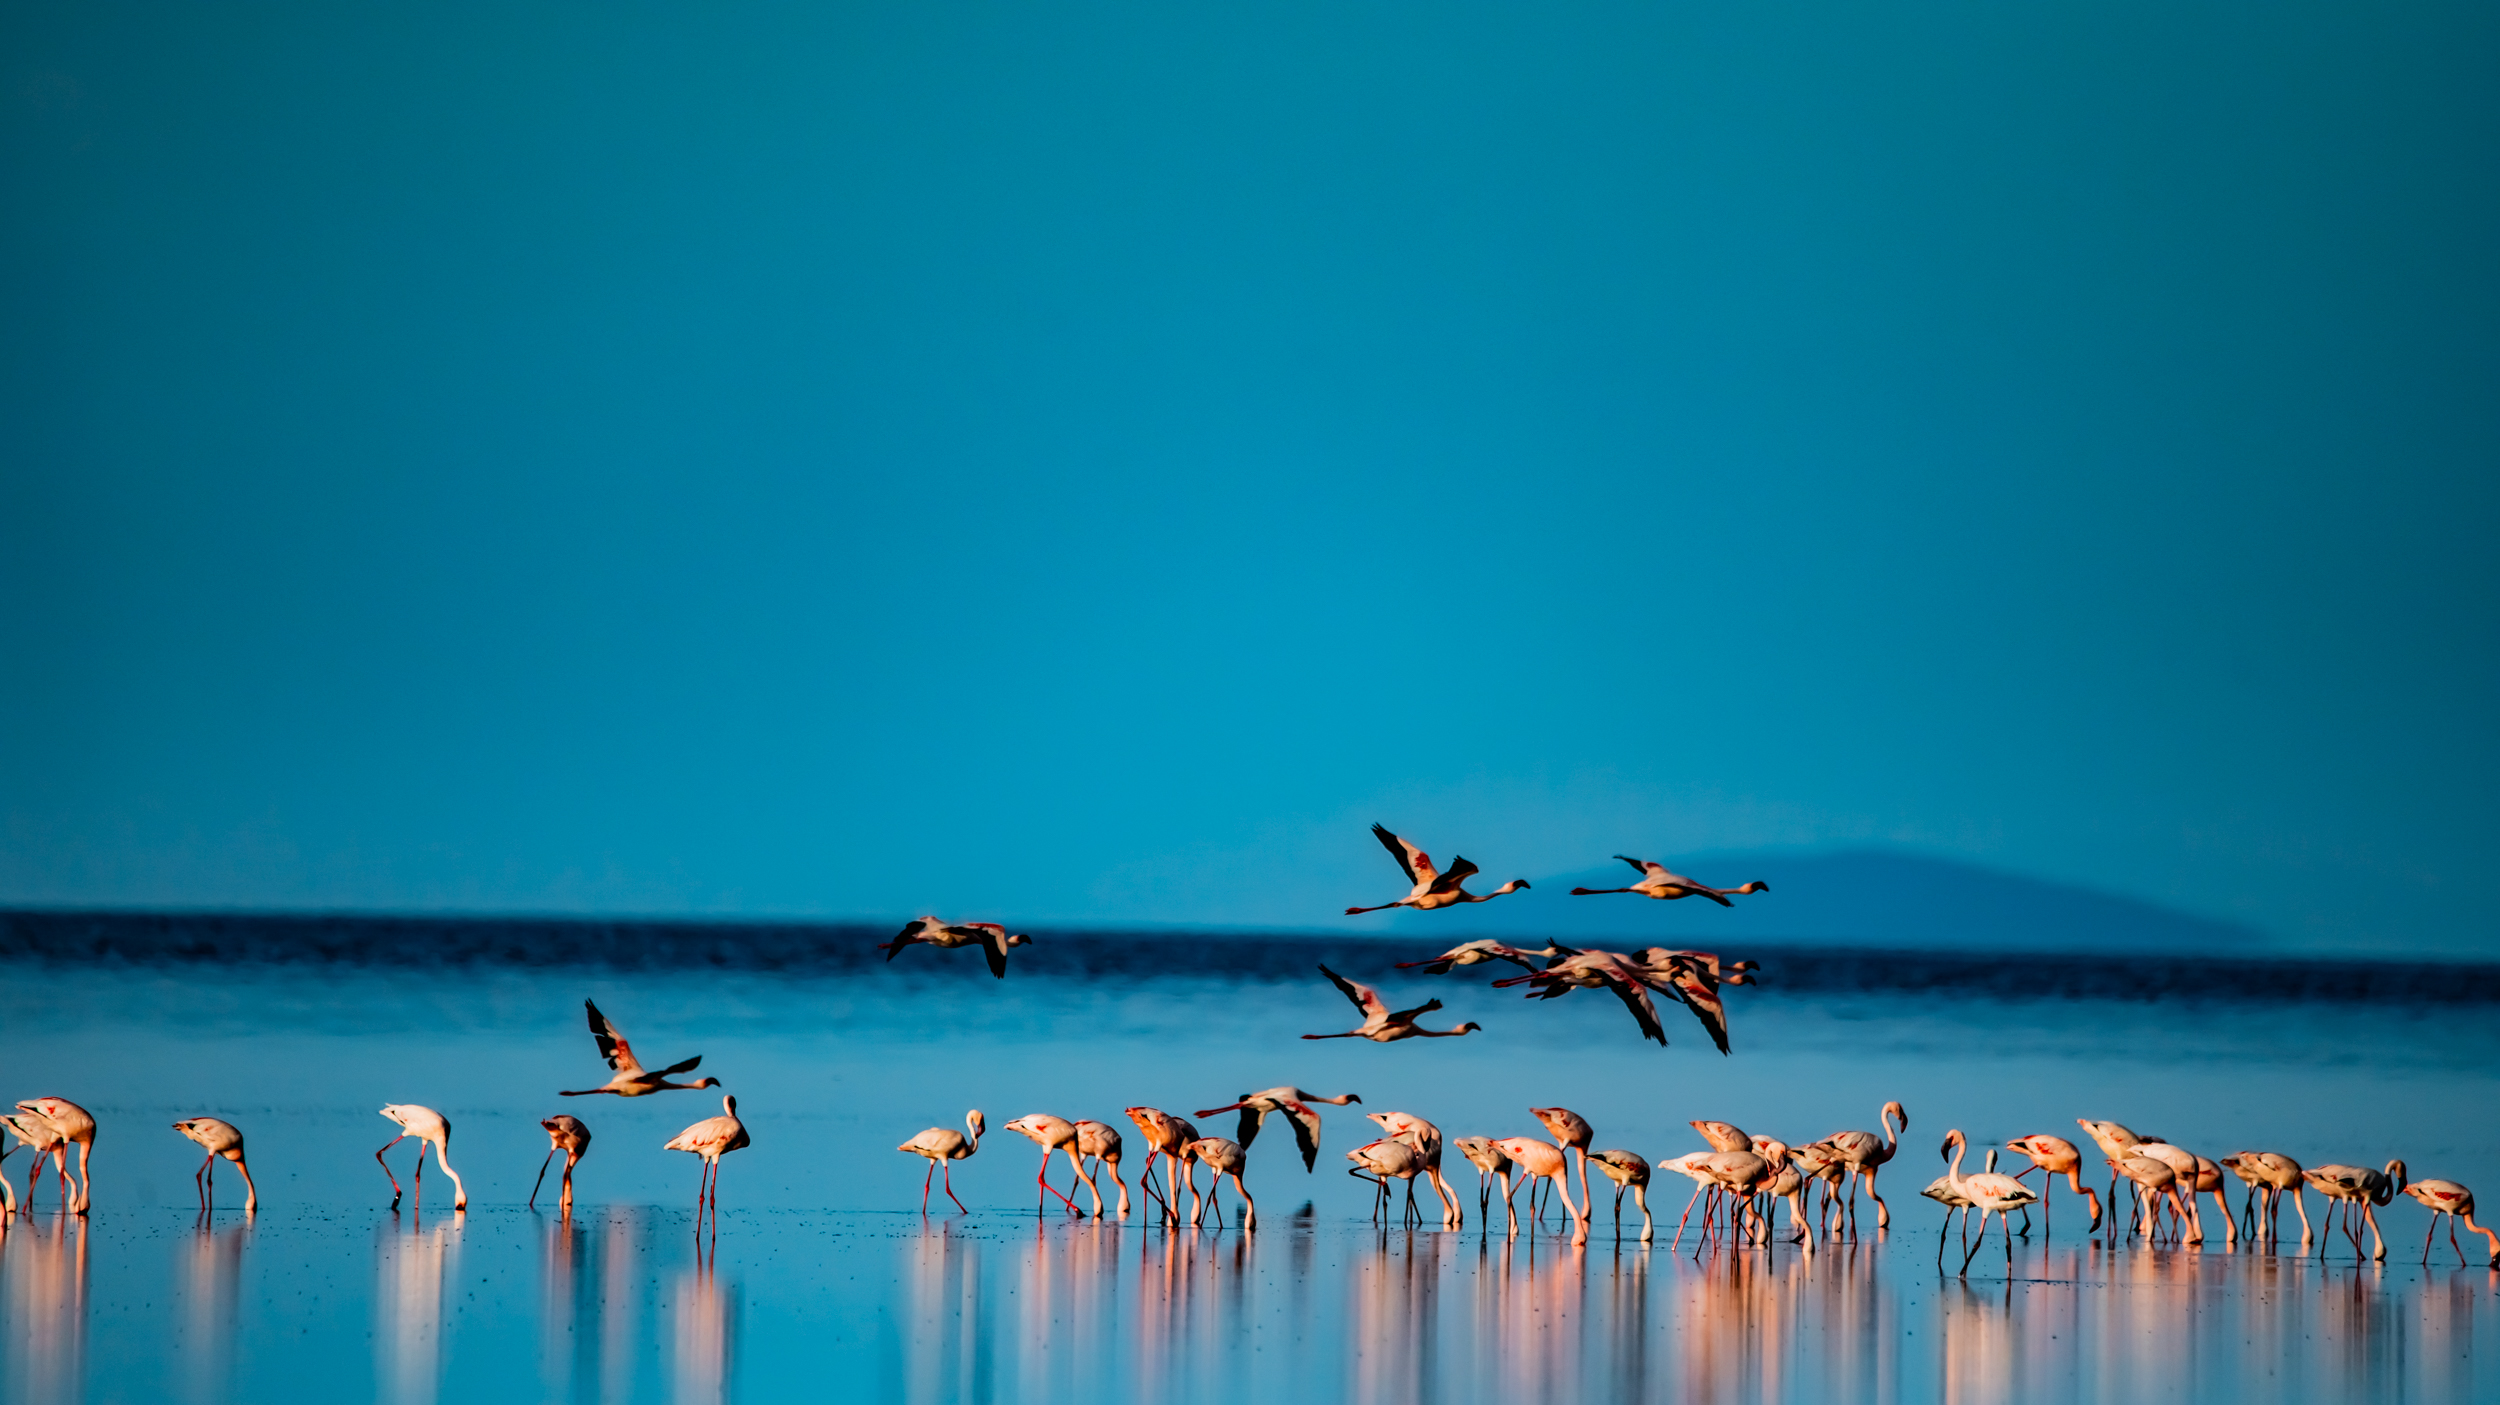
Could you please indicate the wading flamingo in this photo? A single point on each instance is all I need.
(945, 1146)
(2271, 1173)
(1381, 1161)
(1224, 1158)
(76, 1127)
(992, 938)
(1489, 1163)
(2054, 1157)
(38, 1133)
(2457, 1203)
(1434, 888)
(1475, 953)
(631, 1080)
(1723, 1136)
(571, 1136)
(1546, 1160)
(2113, 1139)
(1820, 1162)
(1572, 1132)
(1294, 1104)
(1591, 970)
(431, 1129)
(1382, 1025)
(1051, 1134)
(1098, 1143)
(1170, 1137)
(2183, 1164)
(1657, 882)
(1425, 1138)
(1629, 1171)
(2346, 1187)
(1991, 1192)
(712, 1138)
(1735, 1174)
(2209, 1178)
(2153, 1179)
(218, 1138)
(1865, 1154)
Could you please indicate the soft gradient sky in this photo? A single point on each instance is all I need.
(1087, 461)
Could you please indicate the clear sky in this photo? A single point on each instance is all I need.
(1087, 461)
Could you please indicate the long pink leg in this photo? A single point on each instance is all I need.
(1688, 1214)
(386, 1167)
(949, 1168)
(924, 1187)
(1042, 1179)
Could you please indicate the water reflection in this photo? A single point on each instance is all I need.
(43, 1286)
(410, 1266)
(209, 1287)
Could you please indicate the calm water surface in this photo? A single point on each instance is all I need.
(822, 1283)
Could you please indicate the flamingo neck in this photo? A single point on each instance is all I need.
(1953, 1173)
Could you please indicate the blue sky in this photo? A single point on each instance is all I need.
(1088, 464)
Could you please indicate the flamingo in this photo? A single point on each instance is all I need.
(2113, 1139)
(1425, 1138)
(1167, 1136)
(430, 1128)
(77, 1127)
(992, 938)
(1589, 970)
(1630, 1172)
(712, 1138)
(1051, 1134)
(1384, 1160)
(631, 1080)
(1475, 953)
(218, 1138)
(944, 1146)
(1382, 1025)
(2272, 1173)
(1820, 1161)
(1489, 1163)
(36, 1131)
(1736, 1173)
(1865, 1154)
(2456, 1202)
(1099, 1142)
(1693, 977)
(1573, 1133)
(2350, 1186)
(2054, 1157)
(1224, 1158)
(2153, 1179)
(1544, 1159)
(2183, 1165)
(1942, 1192)
(1723, 1136)
(1294, 1104)
(571, 1136)
(2209, 1178)
(1990, 1191)
(1433, 887)
(1657, 882)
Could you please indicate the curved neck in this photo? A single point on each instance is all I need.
(1953, 1173)
(975, 1129)
(1891, 1137)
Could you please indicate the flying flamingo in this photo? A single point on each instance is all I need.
(1489, 1163)
(2348, 1186)
(1590, 970)
(944, 1146)
(1991, 1191)
(1224, 1158)
(1629, 1172)
(1426, 1139)
(1546, 1160)
(1294, 1104)
(1382, 1025)
(1381, 1161)
(1573, 1133)
(218, 1138)
(76, 1127)
(1693, 977)
(1475, 953)
(1865, 1153)
(1433, 887)
(430, 1128)
(1099, 1143)
(1051, 1134)
(2456, 1202)
(1657, 882)
(2272, 1173)
(992, 938)
(631, 1080)
(1167, 1136)
(2054, 1157)
(571, 1136)
(712, 1138)
(2152, 1179)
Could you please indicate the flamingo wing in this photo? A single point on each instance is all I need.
(1705, 1005)
(1459, 871)
(1364, 997)
(1248, 1127)
(1407, 1016)
(1416, 863)
(1636, 999)
(910, 933)
(993, 940)
(1305, 1133)
(612, 1045)
(682, 1066)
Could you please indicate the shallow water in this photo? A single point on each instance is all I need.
(822, 1280)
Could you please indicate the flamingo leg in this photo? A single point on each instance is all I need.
(1973, 1250)
(1042, 1179)
(1688, 1214)
(2426, 1239)
(2378, 1242)
(948, 1167)
(926, 1177)
(377, 1156)
(200, 1185)
(542, 1176)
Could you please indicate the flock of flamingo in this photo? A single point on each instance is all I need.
(1745, 1177)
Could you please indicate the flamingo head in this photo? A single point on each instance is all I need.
(705, 1083)
(1952, 1139)
(1516, 885)
(1468, 1028)
(1756, 886)
(977, 1123)
(1018, 939)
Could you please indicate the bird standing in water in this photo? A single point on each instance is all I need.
(431, 1129)
(711, 1139)
(572, 1137)
(76, 1127)
(219, 1138)
(944, 1146)
(1865, 1154)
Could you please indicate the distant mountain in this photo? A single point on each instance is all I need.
(1876, 898)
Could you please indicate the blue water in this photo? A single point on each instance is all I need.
(822, 1280)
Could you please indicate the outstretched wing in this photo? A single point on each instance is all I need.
(1305, 1133)
(1703, 1001)
(1416, 862)
(1459, 872)
(905, 937)
(1404, 1016)
(1641, 866)
(993, 940)
(612, 1045)
(1364, 997)
(1251, 1117)
(1636, 999)
(682, 1066)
